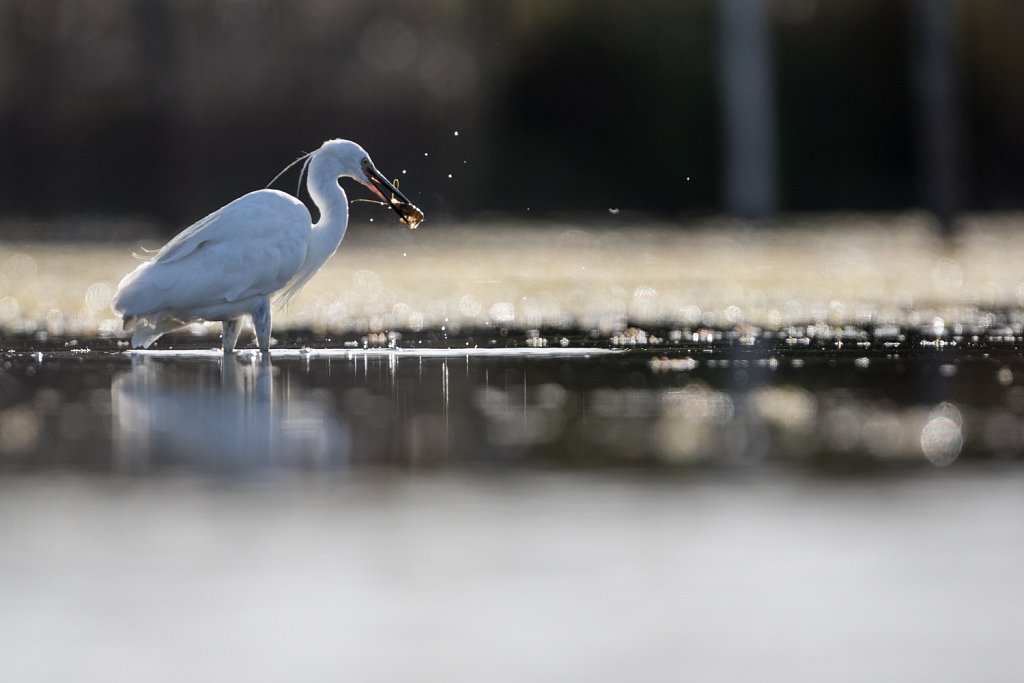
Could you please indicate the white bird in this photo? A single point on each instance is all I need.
(261, 247)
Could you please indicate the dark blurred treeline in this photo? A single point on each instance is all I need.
(169, 108)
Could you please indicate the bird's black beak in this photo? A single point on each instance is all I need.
(407, 212)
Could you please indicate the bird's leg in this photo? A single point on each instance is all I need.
(232, 328)
(261, 321)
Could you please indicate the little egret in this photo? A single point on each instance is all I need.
(261, 247)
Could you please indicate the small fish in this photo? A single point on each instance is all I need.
(408, 213)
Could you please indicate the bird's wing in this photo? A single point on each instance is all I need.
(253, 246)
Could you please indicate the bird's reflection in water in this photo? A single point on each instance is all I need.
(225, 415)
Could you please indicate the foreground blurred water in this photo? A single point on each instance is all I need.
(708, 511)
(526, 576)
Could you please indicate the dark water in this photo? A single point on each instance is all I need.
(698, 405)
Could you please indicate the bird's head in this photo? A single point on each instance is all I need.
(352, 161)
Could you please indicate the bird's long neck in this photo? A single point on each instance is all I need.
(330, 199)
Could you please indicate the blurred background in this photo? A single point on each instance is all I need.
(163, 110)
(705, 363)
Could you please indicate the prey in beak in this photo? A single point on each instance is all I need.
(407, 212)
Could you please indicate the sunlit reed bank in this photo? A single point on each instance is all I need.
(839, 271)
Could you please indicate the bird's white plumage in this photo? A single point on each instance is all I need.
(251, 247)
(230, 264)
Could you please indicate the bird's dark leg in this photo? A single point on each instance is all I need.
(261, 321)
(232, 328)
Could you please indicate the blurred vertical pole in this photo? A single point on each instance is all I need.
(747, 83)
(933, 25)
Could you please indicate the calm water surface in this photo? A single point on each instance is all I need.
(694, 405)
(702, 511)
